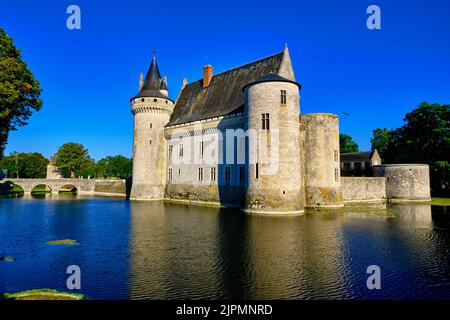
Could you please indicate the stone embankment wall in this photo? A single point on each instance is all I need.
(363, 189)
(110, 187)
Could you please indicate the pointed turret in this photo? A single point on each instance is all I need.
(152, 109)
(154, 85)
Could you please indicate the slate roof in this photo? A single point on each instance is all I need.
(357, 156)
(224, 94)
(270, 77)
(153, 83)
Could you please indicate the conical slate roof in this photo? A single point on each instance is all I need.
(270, 77)
(153, 83)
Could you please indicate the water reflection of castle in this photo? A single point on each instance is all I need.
(188, 252)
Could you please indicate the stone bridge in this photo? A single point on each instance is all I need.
(83, 186)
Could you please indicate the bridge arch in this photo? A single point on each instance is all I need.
(69, 188)
(47, 188)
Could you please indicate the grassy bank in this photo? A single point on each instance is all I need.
(440, 201)
(43, 294)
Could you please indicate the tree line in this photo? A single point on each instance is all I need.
(74, 161)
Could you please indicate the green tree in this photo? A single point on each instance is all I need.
(381, 139)
(19, 90)
(25, 165)
(72, 157)
(346, 144)
(114, 167)
(424, 138)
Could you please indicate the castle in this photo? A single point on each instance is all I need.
(237, 138)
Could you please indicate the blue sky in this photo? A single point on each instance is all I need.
(89, 75)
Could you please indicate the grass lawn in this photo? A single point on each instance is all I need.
(43, 294)
(440, 201)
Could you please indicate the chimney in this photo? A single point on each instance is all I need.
(141, 81)
(207, 75)
(184, 83)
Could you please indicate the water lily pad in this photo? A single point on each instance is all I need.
(7, 259)
(43, 294)
(64, 241)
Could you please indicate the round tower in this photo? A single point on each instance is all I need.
(405, 182)
(152, 109)
(273, 175)
(321, 156)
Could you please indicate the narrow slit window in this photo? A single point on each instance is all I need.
(257, 170)
(336, 174)
(335, 155)
(170, 174)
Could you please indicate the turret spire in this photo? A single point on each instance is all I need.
(153, 85)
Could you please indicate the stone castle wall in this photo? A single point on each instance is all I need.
(363, 189)
(405, 182)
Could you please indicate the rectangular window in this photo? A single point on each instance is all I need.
(201, 148)
(170, 151)
(283, 97)
(336, 174)
(241, 175)
(265, 121)
(151, 126)
(213, 173)
(227, 175)
(181, 150)
(200, 174)
(257, 170)
(170, 174)
(335, 155)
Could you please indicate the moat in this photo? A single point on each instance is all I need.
(156, 250)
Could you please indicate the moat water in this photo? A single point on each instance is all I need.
(155, 250)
